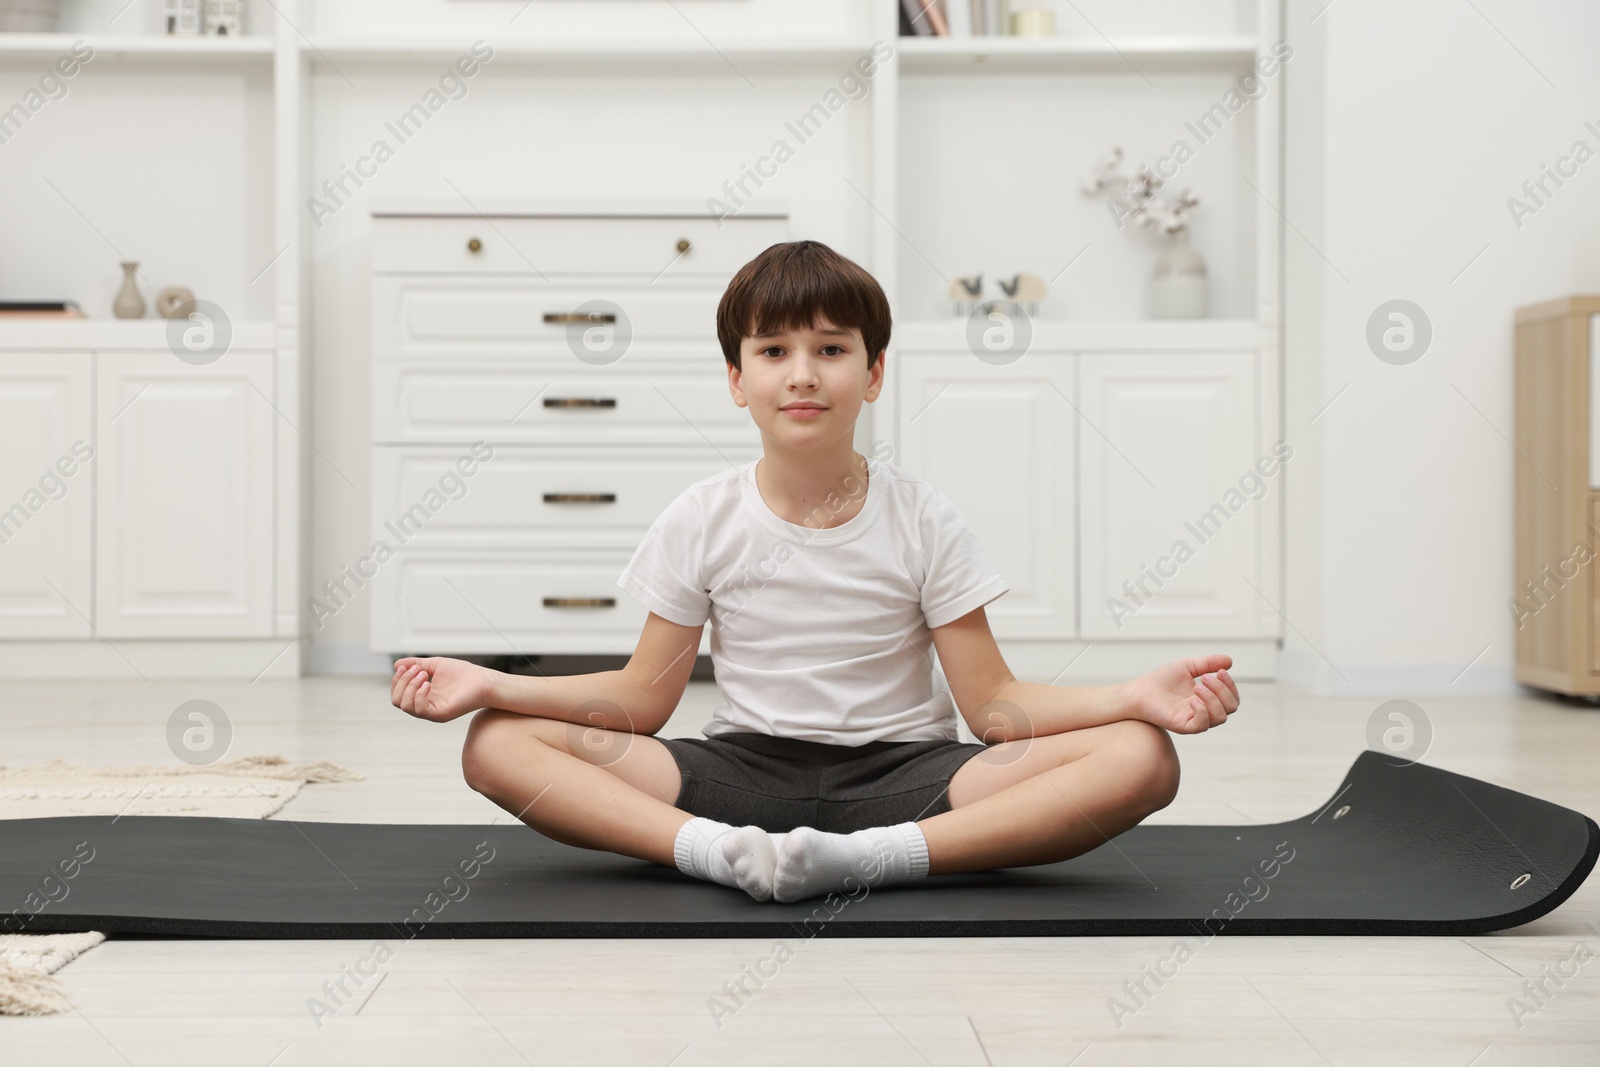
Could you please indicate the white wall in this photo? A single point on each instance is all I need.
(1409, 126)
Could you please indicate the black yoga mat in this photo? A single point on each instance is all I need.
(1400, 848)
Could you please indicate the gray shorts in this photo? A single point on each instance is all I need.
(780, 783)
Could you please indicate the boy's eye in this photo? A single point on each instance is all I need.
(826, 349)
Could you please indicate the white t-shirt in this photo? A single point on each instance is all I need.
(816, 634)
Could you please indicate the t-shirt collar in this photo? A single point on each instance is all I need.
(857, 525)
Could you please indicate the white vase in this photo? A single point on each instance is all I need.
(129, 304)
(1178, 285)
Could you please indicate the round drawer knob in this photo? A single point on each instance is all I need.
(683, 244)
(474, 245)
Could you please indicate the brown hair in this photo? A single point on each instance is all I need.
(792, 285)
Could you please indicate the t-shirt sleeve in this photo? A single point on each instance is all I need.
(665, 572)
(959, 577)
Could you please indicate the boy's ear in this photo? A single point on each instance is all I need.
(875, 385)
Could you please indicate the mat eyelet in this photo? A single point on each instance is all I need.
(1520, 880)
(1341, 812)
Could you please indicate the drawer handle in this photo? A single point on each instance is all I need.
(474, 245)
(580, 401)
(580, 601)
(683, 244)
(580, 498)
(568, 317)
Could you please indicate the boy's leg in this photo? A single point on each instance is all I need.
(1046, 799)
(580, 785)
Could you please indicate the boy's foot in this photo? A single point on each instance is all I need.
(742, 857)
(752, 855)
(813, 862)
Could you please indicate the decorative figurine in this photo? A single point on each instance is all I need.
(174, 302)
(964, 293)
(223, 18)
(1024, 289)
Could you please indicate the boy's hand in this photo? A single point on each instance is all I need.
(440, 689)
(1187, 696)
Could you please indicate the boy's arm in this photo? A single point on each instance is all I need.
(639, 698)
(611, 700)
(998, 707)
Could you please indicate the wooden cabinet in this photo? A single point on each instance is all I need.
(572, 363)
(46, 493)
(183, 544)
(1126, 493)
(1001, 443)
(1169, 539)
(136, 493)
(1555, 601)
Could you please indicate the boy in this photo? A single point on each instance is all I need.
(826, 576)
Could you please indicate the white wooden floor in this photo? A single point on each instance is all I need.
(1358, 1001)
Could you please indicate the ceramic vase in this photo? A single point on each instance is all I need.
(129, 304)
(1178, 285)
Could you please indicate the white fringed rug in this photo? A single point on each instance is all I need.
(253, 787)
(26, 961)
(250, 788)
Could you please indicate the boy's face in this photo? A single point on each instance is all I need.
(823, 366)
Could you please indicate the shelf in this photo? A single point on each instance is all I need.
(523, 205)
(609, 55)
(1011, 55)
(147, 334)
(1165, 335)
(137, 45)
(918, 55)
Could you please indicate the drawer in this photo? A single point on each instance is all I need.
(472, 400)
(526, 497)
(562, 245)
(441, 317)
(490, 602)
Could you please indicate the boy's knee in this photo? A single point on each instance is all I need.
(487, 735)
(1154, 760)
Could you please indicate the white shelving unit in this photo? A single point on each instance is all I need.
(933, 104)
(170, 49)
(1060, 504)
(922, 55)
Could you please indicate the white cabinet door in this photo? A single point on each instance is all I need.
(184, 545)
(999, 441)
(46, 493)
(1173, 505)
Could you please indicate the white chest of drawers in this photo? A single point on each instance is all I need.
(544, 382)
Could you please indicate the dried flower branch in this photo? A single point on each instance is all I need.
(1134, 196)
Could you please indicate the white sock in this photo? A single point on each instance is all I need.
(813, 862)
(742, 857)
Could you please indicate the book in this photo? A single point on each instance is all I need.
(926, 18)
(958, 14)
(41, 309)
(912, 24)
